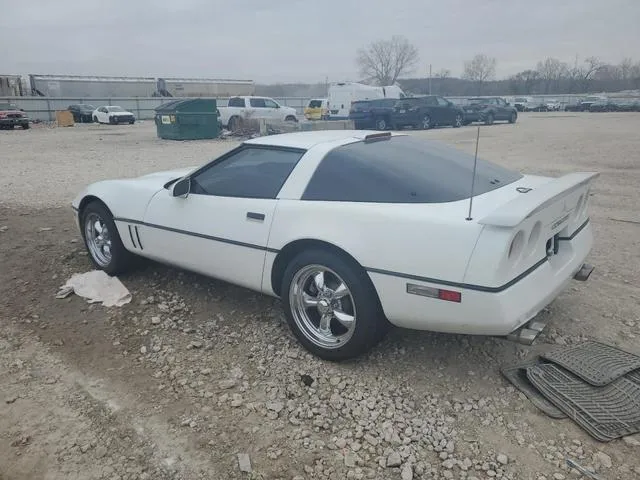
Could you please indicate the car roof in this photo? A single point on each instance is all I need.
(307, 140)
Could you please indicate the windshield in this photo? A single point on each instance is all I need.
(115, 109)
(315, 104)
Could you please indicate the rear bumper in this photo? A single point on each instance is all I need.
(492, 311)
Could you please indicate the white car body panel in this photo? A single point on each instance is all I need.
(426, 245)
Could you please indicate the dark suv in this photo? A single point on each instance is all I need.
(372, 113)
(489, 109)
(426, 112)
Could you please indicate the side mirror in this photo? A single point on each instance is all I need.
(181, 188)
(277, 105)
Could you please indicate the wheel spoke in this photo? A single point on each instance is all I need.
(308, 301)
(340, 291)
(98, 226)
(319, 281)
(325, 324)
(344, 318)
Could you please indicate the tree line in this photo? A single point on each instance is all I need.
(385, 62)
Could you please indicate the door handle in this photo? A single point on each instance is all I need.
(255, 216)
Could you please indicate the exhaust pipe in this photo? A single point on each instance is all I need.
(583, 274)
(528, 332)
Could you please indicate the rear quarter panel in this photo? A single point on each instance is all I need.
(427, 240)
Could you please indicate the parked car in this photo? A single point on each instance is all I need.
(525, 104)
(372, 113)
(603, 106)
(627, 106)
(113, 115)
(553, 105)
(12, 116)
(343, 94)
(305, 216)
(426, 112)
(239, 108)
(489, 110)
(317, 109)
(585, 105)
(82, 112)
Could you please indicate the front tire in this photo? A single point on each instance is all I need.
(458, 121)
(291, 118)
(331, 305)
(25, 126)
(95, 119)
(102, 241)
(513, 117)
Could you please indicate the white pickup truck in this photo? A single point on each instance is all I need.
(240, 108)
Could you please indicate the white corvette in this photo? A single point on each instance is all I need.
(354, 231)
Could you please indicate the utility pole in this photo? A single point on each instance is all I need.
(429, 79)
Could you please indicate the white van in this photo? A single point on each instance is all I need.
(342, 94)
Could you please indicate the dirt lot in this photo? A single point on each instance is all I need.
(194, 372)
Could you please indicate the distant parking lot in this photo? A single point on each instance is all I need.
(194, 371)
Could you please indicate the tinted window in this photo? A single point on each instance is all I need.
(442, 102)
(430, 101)
(385, 102)
(270, 103)
(257, 102)
(315, 104)
(403, 169)
(250, 172)
(236, 102)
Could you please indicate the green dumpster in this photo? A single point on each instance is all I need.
(191, 119)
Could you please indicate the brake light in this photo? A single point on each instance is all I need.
(450, 295)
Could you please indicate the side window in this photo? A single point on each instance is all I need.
(257, 102)
(270, 103)
(431, 101)
(236, 102)
(442, 102)
(251, 172)
(500, 102)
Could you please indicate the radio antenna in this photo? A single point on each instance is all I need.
(473, 179)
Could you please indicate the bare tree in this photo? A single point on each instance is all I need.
(384, 61)
(524, 82)
(480, 69)
(551, 71)
(444, 73)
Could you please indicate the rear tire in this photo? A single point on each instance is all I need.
(26, 126)
(235, 124)
(458, 121)
(513, 117)
(95, 119)
(355, 319)
(102, 240)
(426, 123)
(488, 120)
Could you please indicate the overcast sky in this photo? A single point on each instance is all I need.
(302, 40)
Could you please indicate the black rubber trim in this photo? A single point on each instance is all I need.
(576, 232)
(131, 237)
(138, 237)
(255, 216)
(199, 235)
(467, 286)
(75, 209)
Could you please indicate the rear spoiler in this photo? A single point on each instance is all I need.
(516, 211)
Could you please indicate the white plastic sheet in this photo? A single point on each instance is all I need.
(96, 286)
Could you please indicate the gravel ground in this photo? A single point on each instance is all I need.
(200, 379)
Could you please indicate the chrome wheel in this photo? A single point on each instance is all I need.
(381, 124)
(98, 239)
(458, 121)
(322, 306)
(426, 122)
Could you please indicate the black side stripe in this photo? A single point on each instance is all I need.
(138, 237)
(467, 286)
(576, 232)
(131, 237)
(198, 235)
